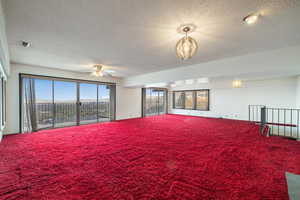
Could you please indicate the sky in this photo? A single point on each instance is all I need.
(66, 91)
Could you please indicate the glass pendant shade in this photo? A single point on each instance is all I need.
(186, 48)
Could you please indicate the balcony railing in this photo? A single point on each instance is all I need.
(66, 114)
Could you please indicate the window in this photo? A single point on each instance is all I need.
(154, 101)
(50, 102)
(191, 99)
(179, 100)
(189, 103)
(202, 100)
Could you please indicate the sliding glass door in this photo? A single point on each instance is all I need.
(154, 101)
(65, 102)
(55, 102)
(105, 109)
(43, 102)
(88, 103)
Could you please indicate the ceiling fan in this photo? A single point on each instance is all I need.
(99, 71)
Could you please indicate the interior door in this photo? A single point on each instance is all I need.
(65, 103)
(88, 108)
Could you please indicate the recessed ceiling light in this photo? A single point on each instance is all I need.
(251, 19)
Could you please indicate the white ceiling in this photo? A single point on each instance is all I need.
(139, 36)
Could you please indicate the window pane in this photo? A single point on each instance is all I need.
(104, 103)
(202, 100)
(88, 106)
(65, 98)
(161, 102)
(189, 100)
(44, 104)
(179, 99)
(155, 101)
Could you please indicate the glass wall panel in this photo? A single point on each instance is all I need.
(65, 98)
(154, 101)
(43, 103)
(88, 103)
(189, 100)
(56, 102)
(104, 103)
(202, 100)
(179, 100)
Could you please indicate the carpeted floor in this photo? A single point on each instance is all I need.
(163, 157)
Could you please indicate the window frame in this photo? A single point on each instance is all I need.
(144, 95)
(194, 92)
(174, 100)
(113, 92)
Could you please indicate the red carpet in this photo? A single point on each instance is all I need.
(164, 157)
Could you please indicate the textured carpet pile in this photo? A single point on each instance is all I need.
(154, 158)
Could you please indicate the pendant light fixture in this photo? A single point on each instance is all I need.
(186, 47)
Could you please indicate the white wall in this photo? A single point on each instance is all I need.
(128, 100)
(129, 103)
(228, 102)
(298, 92)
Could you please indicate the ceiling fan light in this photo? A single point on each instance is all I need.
(97, 73)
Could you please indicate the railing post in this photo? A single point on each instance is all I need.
(262, 118)
(249, 110)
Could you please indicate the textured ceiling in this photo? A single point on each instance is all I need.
(139, 36)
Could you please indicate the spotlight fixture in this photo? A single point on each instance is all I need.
(251, 19)
(25, 44)
(186, 47)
